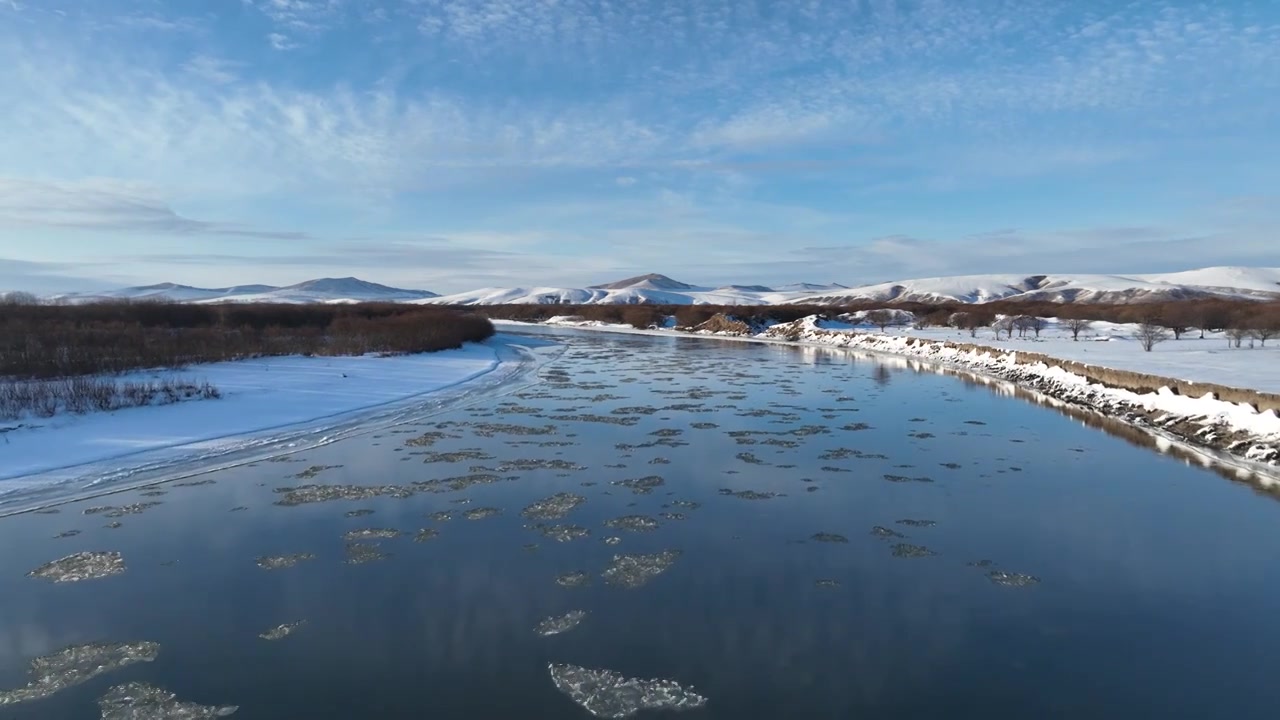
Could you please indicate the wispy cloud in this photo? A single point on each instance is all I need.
(281, 42)
(105, 205)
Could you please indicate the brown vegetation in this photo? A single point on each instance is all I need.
(1179, 317)
(61, 341)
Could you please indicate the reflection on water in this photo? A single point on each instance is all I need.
(659, 525)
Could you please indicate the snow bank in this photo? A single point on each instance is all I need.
(1235, 427)
(257, 396)
(1110, 345)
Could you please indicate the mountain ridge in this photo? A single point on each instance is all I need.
(653, 288)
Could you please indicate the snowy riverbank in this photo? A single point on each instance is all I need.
(258, 398)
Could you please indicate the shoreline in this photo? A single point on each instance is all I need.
(416, 386)
(1193, 422)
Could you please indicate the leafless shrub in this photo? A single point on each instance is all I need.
(1076, 326)
(1003, 325)
(79, 395)
(1149, 333)
(883, 319)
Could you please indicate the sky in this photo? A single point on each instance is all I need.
(449, 145)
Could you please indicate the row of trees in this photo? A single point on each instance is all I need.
(1209, 315)
(44, 341)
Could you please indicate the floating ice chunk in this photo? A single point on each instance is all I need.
(607, 694)
(554, 507)
(481, 513)
(80, 566)
(748, 494)
(426, 534)
(907, 550)
(633, 571)
(77, 664)
(140, 701)
(279, 562)
(280, 632)
(635, 523)
(641, 486)
(370, 534)
(573, 579)
(361, 553)
(829, 538)
(1012, 579)
(562, 533)
(561, 623)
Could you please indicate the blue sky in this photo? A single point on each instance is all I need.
(451, 144)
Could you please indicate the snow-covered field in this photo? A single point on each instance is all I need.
(1237, 428)
(258, 396)
(1113, 346)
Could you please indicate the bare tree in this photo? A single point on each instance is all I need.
(18, 297)
(1037, 324)
(1179, 318)
(966, 321)
(1150, 332)
(1263, 334)
(883, 318)
(1077, 326)
(1264, 324)
(1235, 336)
(1023, 323)
(1003, 325)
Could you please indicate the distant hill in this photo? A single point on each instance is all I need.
(321, 290)
(1233, 282)
(652, 281)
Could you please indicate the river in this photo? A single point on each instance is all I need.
(780, 532)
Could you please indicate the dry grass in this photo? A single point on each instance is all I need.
(79, 395)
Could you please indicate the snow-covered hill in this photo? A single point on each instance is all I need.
(1258, 283)
(1222, 281)
(643, 289)
(1235, 282)
(322, 290)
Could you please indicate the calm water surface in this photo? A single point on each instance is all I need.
(1157, 581)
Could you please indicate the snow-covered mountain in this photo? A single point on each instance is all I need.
(1260, 283)
(1235, 282)
(652, 289)
(322, 290)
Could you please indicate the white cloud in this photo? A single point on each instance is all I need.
(108, 205)
(281, 42)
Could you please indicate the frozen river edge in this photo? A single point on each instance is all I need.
(269, 407)
(1222, 432)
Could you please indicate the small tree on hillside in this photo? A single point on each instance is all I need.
(1149, 333)
(1076, 326)
(882, 319)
